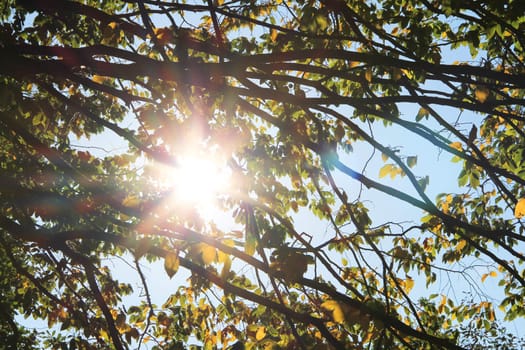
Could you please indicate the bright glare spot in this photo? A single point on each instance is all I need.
(197, 181)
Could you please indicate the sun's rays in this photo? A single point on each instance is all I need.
(198, 180)
(195, 184)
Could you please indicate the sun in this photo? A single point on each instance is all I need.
(198, 180)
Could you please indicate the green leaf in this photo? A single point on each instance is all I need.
(411, 161)
(250, 243)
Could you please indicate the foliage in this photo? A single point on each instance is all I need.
(327, 113)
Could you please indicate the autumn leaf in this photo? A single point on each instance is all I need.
(204, 252)
(461, 244)
(422, 113)
(226, 267)
(274, 34)
(336, 309)
(409, 284)
(481, 93)
(163, 35)
(368, 75)
(171, 264)
(519, 211)
(99, 79)
(131, 201)
(385, 170)
(261, 333)
(491, 274)
(456, 145)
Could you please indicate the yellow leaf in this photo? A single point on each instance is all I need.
(461, 244)
(481, 93)
(409, 284)
(222, 257)
(98, 79)
(519, 212)
(484, 277)
(368, 75)
(103, 334)
(273, 34)
(261, 333)
(353, 64)
(131, 201)
(171, 264)
(492, 316)
(207, 253)
(385, 170)
(113, 25)
(226, 268)
(456, 145)
(407, 73)
(336, 309)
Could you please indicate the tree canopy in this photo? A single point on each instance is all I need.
(375, 163)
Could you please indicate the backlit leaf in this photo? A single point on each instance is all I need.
(456, 145)
(481, 93)
(171, 264)
(131, 201)
(409, 284)
(226, 267)
(261, 333)
(411, 161)
(519, 211)
(207, 253)
(273, 34)
(422, 113)
(385, 170)
(249, 245)
(461, 244)
(98, 79)
(368, 75)
(336, 309)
